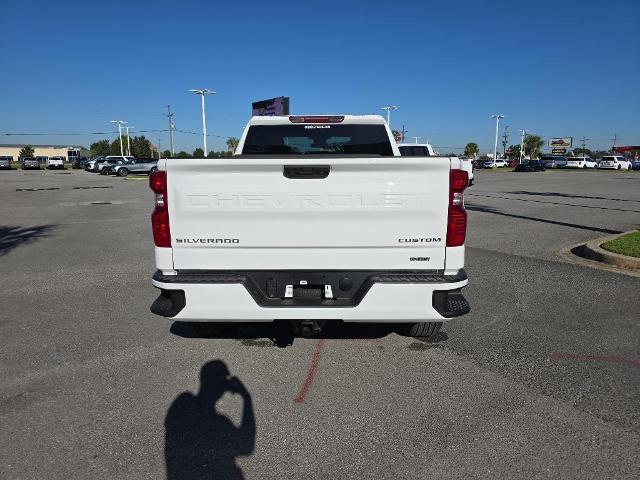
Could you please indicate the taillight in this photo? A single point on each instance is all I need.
(457, 218)
(317, 119)
(160, 215)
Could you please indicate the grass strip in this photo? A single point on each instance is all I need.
(628, 245)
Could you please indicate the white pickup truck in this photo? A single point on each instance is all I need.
(315, 218)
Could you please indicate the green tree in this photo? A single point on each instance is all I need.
(26, 151)
(198, 153)
(232, 144)
(532, 145)
(141, 147)
(471, 150)
(579, 152)
(101, 147)
(114, 148)
(166, 154)
(514, 152)
(182, 154)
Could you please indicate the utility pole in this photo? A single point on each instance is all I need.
(120, 123)
(524, 134)
(388, 108)
(615, 140)
(495, 145)
(170, 116)
(403, 132)
(202, 92)
(159, 147)
(584, 143)
(505, 140)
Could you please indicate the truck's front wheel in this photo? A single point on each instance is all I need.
(422, 329)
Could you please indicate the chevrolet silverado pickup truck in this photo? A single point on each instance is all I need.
(314, 219)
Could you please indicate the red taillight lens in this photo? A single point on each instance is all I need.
(160, 216)
(317, 119)
(457, 219)
(158, 181)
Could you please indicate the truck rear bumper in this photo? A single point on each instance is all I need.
(391, 296)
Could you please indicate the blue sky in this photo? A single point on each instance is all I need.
(556, 68)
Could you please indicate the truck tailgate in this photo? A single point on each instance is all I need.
(367, 213)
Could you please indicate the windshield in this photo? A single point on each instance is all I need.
(318, 139)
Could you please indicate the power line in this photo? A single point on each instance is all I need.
(72, 134)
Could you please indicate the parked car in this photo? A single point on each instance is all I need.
(42, 159)
(90, 165)
(554, 161)
(499, 163)
(110, 160)
(580, 162)
(79, 162)
(30, 163)
(137, 166)
(531, 166)
(55, 162)
(614, 162)
(5, 162)
(106, 167)
(635, 164)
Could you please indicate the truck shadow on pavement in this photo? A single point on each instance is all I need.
(201, 442)
(479, 208)
(280, 334)
(569, 195)
(15, 236)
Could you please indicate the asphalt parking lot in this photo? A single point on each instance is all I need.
(541, 380)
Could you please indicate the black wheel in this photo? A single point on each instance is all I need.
(123, 172)
(584, 166)
(619, 167)
(422, 329)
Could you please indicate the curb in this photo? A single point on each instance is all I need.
(593, 251)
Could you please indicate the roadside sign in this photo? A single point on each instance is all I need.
(564, 142)
(271, 107)
(558, 151)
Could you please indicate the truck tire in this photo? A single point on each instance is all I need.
(421, 329)
(123, 172)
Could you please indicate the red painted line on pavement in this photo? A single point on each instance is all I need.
(602, 358)
(311, 372)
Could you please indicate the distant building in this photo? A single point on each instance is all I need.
(66, 151)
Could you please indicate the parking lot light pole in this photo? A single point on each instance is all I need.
(120, 123)
(388, 108)
(524, 134)
(495, 145)
(128, 142)
(202, 92)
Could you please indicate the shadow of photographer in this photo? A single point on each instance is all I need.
(201, 442)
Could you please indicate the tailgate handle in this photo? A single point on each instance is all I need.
(306, 171)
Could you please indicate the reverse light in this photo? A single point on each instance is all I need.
(160, 215)
(457, 217)
(317, 119)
